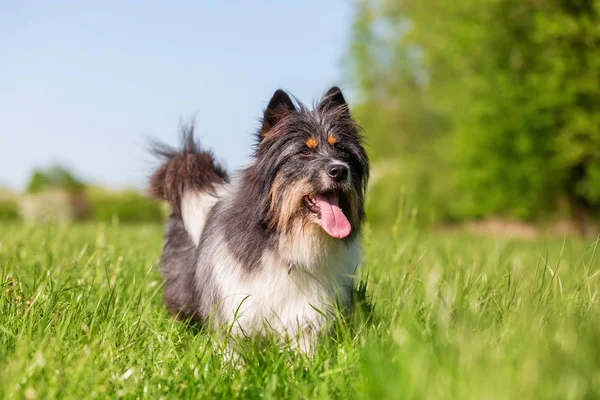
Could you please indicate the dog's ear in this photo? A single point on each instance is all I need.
(280, 105)
(334, 101)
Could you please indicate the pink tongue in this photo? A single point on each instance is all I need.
(333, 219)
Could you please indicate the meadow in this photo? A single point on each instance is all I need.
(453, 316)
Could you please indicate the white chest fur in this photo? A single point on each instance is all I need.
(294, 289)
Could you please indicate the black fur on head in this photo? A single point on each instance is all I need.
(279, 107)
(302, 154)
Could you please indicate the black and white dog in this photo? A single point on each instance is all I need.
(276, 248)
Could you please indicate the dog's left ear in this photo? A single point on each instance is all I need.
(334, 100)
(280, 105)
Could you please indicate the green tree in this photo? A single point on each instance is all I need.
(54, 177)
(498, 99)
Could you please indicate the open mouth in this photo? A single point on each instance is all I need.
(326, 207)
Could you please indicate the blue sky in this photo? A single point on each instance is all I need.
(84, 83)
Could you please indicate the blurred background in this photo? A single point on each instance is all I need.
(482, 115)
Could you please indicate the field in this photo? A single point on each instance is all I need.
(454, 316)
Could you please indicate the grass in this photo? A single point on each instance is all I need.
(455, 316)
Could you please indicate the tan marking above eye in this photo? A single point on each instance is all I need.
(331, 140)
(311, 143)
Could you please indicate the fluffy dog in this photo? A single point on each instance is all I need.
(276, 247)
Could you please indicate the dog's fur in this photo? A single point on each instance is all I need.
(250, 253)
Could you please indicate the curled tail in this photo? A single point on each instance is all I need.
(190, 180)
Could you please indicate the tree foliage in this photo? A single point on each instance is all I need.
(496, 102)
(56, 177)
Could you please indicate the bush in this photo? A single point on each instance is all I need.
(9, 209)
(54, 178)
(128, 206)
(408, 193)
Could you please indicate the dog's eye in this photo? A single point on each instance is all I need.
(306, 152)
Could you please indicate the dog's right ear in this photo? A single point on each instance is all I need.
(280, 105)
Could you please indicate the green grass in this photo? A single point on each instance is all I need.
(454, 317)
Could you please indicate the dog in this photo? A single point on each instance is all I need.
(275, 248)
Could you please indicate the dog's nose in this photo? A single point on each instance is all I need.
(338, 172)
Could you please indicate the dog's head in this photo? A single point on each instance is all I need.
(311, 165)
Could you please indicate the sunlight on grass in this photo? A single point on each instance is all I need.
(81, 315)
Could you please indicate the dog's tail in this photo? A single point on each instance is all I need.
(190, 180)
